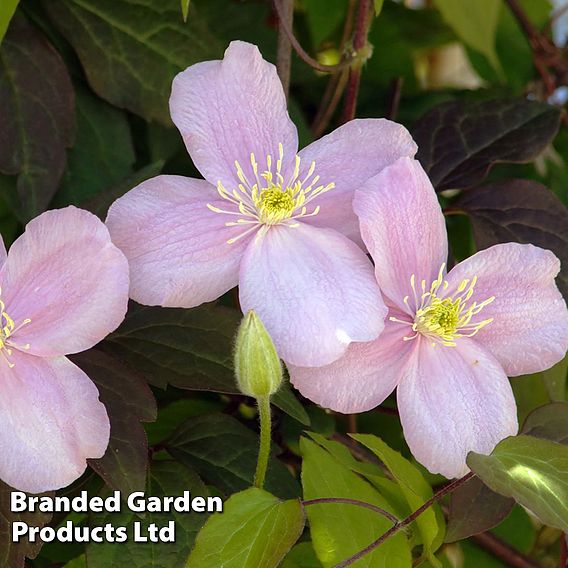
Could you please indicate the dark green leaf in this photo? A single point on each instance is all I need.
(189, 349)
(131, 49)
(103, 153)
(549, 422)
(521, 211)
(224, 453)
(36, 98)
(255, 530)
(459, 142)
(100, 203)
(338, 530)
(128, 401)
(533, 472)
(13, 555)
(167, 478)
(474, 508)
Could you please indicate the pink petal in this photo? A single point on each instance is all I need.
(51, 421)
(403, 227)
(348, 157)
(177, 248)
(227, 109)
(314, 290)
(362, 378)
(454, 400)
(529, 332)
(65, 275)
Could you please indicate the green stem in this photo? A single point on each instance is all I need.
(265, 431)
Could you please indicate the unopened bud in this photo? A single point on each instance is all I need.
(257, 366)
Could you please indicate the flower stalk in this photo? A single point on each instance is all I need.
(265, 431)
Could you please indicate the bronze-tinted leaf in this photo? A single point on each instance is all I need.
(37, 102)
(474, 508)
(128, 400)
(458, 141)
(12, 554)
(521, 211)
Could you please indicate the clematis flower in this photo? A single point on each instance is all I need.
(450, 339)
(64, 286)
(272, 220)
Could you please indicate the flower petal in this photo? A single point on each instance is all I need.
(362, 378)
(403, 227)
(529, 331)
(314, 290)
(454, 400)
(65, 275)
(228, 109)
(51, 421)
(348, 157)
(177, 248)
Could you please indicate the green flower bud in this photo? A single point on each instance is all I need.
(257, 366)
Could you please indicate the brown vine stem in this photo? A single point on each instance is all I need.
(359, 42)
(342, 501)
(405, 522)
(563, 561)
(287, 29)
(284, 47)
(545, 54)
(501, 550)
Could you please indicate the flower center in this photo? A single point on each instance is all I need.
(444, 320)
(268, 199)
(7, 329)
(274, 205)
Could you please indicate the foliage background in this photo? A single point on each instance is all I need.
(84, 86)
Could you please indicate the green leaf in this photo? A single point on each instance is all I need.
(7, 9)
(302, 556)
(37, 117)
(415, 488)
(255, 530)
(324, 18)
(549, 422)
(533, 472)
(555, 380)
(167, 478)
(14, 554)
(103, 153)
(128, 400)
(521, 211)
(189, 349)
(132, 49)
(475, 23)
(378, 6)
(338, 530)
(224, 453)
(459, 141)
(185, 9)
(474, 508)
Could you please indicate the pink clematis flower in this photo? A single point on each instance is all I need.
(270, 219)
(450, 339)
(64, 286)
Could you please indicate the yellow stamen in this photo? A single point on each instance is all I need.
(7, 329)
(269, 199)
(443, 320)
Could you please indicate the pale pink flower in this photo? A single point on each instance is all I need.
(450, 339)
(64, 286)
(270, 219)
